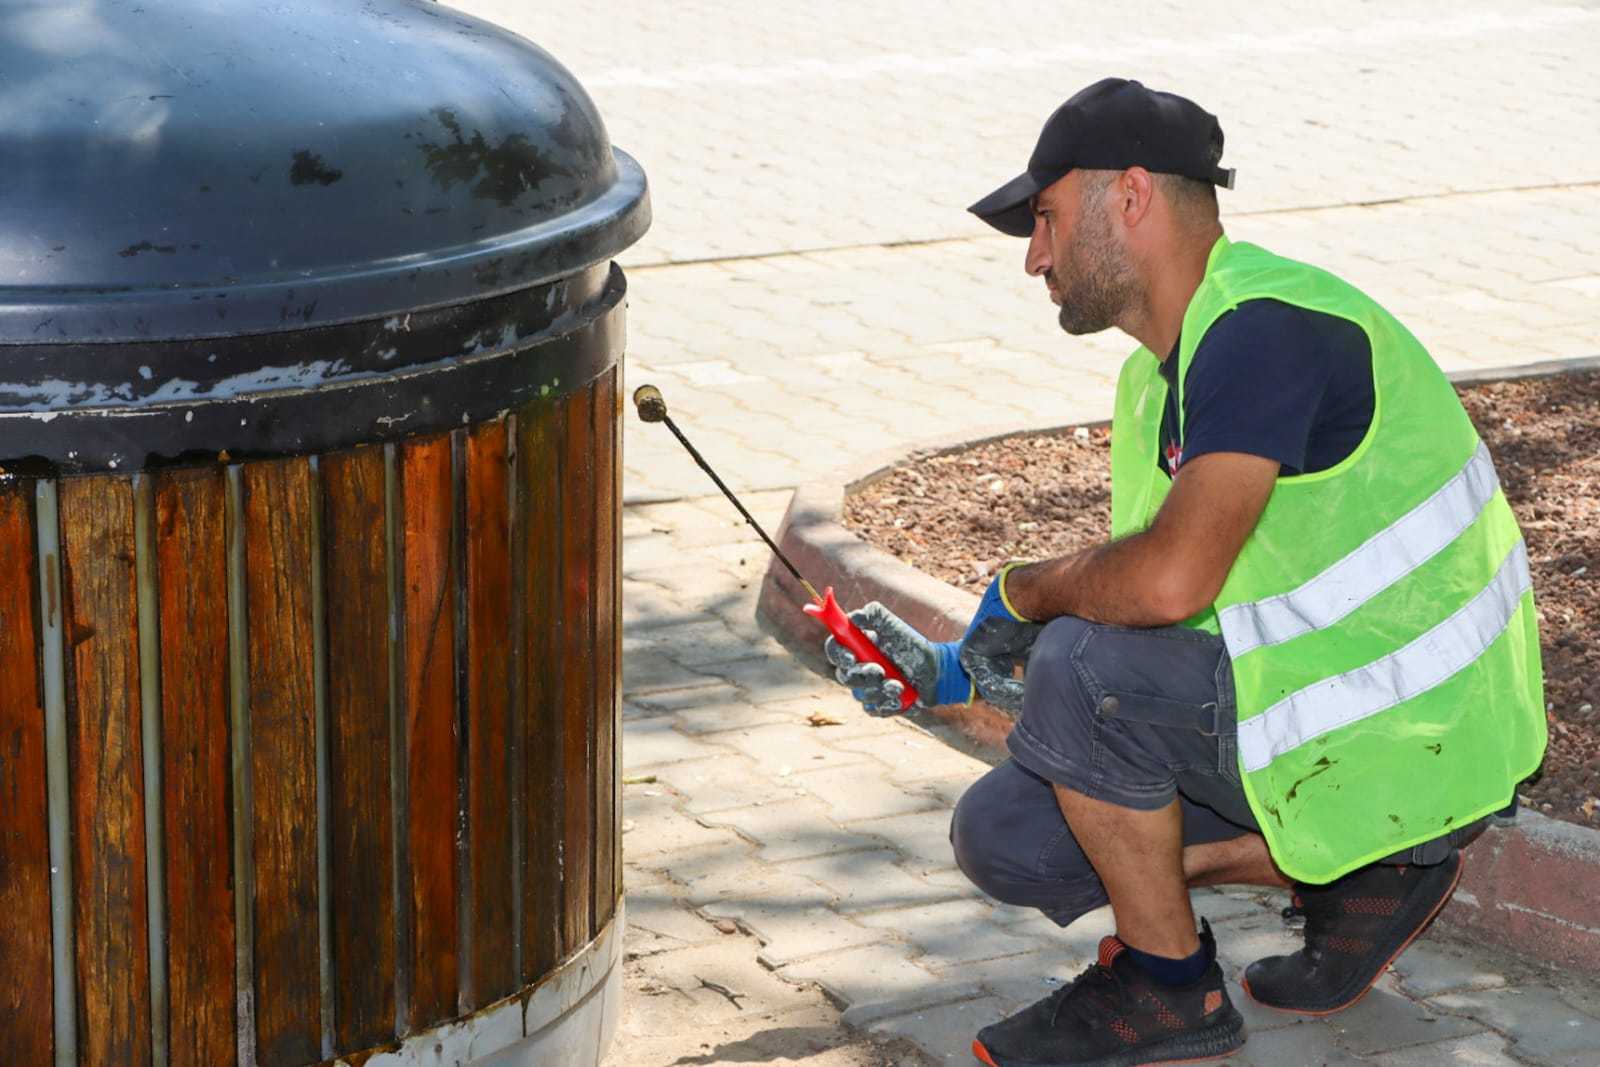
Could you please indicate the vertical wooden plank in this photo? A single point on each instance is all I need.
(539, 430)
(607, 646)
(105, 756)
(27, 1017)
(578, 669)
(277, 519)
(361, 834)
(192, 606)
(427, 627)
(488, 673)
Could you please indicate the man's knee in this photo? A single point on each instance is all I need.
(1012, 842)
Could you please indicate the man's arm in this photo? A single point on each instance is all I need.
(1168, 572)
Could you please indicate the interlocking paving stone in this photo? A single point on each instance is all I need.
(1382, 1022)
(724, 782)
(1311, 1045)
(795, 923)
(922, 837)
(869, 881)
(877, 981)
(788, 745)
(656, 740)
(728, 872)
(660, 829)
(917, 759)
(704, 641)
(1486, 1049)
(647, 671)
(946, 1030)
(658, 909)
(792, 828)
(1546, 1028)
(858, 792)
(706, 692)
(1430, 967)
(951, 933)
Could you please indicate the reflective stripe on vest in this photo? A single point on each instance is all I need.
(1386, 558)
(1425, 662)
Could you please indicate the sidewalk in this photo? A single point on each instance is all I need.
(828, 842)
(812, 292)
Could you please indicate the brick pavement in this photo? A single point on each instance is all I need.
(828, 843)
(812, 292)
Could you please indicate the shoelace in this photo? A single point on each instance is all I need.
(1115, 999)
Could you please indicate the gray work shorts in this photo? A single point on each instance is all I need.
(1133, 717)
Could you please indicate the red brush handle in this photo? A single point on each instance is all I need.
(850, 636)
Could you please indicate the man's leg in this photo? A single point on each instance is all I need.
(1115, 719)
(1010, 838)
(1139, 857)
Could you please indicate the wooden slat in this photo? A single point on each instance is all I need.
(539, 432)
(191, 575)
(105, 756)
(277, 517)
(489, 706)
(427, 626)
(607, 647)
(577, 647)
(27, 1016)
(355, 543)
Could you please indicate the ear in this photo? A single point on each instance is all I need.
(1135, 191)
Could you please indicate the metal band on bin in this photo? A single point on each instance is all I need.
(501, 358)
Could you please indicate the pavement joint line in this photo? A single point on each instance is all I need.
(978, 60)
(1002, 241)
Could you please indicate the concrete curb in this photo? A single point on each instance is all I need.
(1527, 888)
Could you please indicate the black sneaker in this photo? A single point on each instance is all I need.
(1354, 927)
(1116, 1015)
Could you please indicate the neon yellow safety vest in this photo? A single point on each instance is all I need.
(1380, 617)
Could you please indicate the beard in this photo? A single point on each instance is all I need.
(1097, 283)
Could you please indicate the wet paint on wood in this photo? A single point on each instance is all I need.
(540, 429)
(355, 548)
(277, 517)
(576, 657)
(427, 627)
(192, 606)
(607, 714)
(27, 1017)
(489, 666)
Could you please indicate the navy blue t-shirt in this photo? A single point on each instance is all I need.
(1272, 380)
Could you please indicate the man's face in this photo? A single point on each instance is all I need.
(1075, 250)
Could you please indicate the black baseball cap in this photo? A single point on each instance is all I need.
(1114, 124)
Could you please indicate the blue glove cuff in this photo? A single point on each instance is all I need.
(953, 687)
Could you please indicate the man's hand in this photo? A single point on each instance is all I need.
(934, 670)
(997, 641)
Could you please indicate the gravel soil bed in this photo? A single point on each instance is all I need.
(960, 515)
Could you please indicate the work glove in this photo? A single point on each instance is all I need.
(934, 670)
(997, 641)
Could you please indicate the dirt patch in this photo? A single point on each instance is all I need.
(959, 515)
(695, 1001)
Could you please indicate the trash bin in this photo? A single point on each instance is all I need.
(310, 342)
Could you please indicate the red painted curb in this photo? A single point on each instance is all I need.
(1530, 888)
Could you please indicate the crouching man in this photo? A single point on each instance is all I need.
(1307, 657)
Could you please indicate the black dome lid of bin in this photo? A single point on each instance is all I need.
(201, 168)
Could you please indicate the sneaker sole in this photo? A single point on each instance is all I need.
(1212, 1043)
(1328, 1007)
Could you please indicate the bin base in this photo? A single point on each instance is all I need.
(569, 1018)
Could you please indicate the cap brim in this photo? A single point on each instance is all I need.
(1007, 209)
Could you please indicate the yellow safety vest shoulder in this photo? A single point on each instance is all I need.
(1380, 618)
